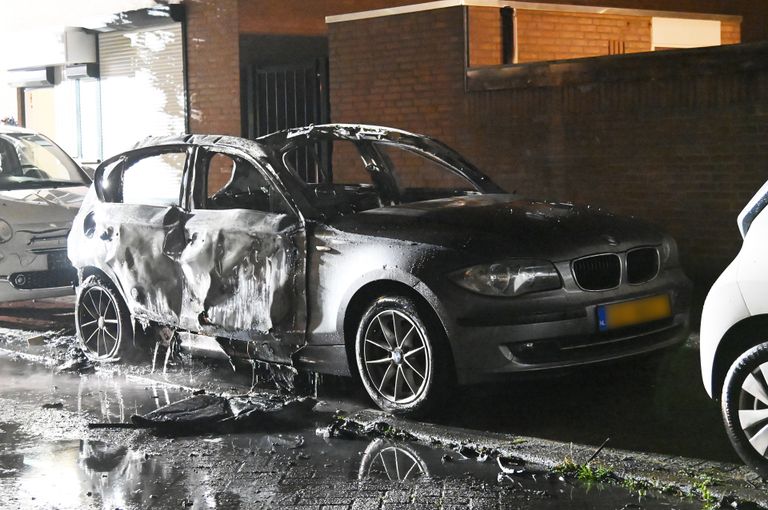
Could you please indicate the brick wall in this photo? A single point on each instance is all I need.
(213, 66)
(544, 35)
(386, 70)
(730, 32)
(555, 35)
(301, 17)
(677, 137)
(485, 37)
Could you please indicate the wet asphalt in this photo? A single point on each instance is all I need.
(49, 458)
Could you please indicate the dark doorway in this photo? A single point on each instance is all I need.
(284, 83)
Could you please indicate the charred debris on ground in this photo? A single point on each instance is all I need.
(592, 471)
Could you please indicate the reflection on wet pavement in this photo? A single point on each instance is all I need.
(394, 462)
(137, 469)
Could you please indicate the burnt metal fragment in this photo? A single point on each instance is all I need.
(214, 413)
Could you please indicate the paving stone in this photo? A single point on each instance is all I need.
(365, 504)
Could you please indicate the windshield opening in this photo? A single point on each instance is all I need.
(420, 175)
(30, 161)
(350, 176)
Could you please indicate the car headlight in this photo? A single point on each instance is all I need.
(669, 252)
(6, 232)
(508, 278)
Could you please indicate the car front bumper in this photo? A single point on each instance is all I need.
(559, 330)
(9, 293)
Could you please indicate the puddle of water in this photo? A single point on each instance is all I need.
(288, 467)
(104, 397)
(93, 474)
(83, 474)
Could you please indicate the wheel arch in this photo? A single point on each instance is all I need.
(366, 294)
(739, 338)
(87, 271)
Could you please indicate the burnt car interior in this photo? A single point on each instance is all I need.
(231, 182)
(350, 176)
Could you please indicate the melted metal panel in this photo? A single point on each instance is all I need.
(236, 274)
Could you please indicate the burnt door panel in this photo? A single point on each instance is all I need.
(140, 227)
(244, 259)
(244, 280)
(140, 245)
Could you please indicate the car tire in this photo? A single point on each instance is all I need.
(402, 356)
(745, 407)
(102, 321)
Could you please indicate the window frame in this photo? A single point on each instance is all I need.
(198, 192)
(384, 161)
(364, 151)
(119, 164)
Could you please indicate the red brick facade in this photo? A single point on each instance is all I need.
(213, 66)
(668, 140)
(404, 71)
(484, 36)
(214, 28)
(730, 32)
(546, 35)
(556, 35)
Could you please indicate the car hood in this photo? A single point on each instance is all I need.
(505, 224)
(43, 207)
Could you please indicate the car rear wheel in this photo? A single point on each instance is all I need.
(102, 321)
(745, 407)
(402, 357)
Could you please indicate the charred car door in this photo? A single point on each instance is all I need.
(244, 259)
(139, 224)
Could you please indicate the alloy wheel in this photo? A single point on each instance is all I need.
(99, 323)
(396, 357)
(753, 408)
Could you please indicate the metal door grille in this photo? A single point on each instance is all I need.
(278, 98)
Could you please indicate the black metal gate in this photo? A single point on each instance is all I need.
(277, 98)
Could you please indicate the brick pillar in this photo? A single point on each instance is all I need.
(213, 66)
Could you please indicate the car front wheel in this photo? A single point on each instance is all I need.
(745, 407)
(102, 321)
(401, 357)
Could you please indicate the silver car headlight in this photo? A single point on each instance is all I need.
(669, 253)
(508, 278)
(6, 231)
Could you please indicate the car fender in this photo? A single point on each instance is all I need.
(391, 275)
(753, 267)
(723, 308)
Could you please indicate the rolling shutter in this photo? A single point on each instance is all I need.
(142, 85)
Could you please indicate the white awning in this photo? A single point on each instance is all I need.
(55, 15)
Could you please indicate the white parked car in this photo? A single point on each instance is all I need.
(734, 339)
(41, 189)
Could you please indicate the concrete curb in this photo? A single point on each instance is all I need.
(660, 471)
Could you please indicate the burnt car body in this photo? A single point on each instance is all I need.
(413, 278)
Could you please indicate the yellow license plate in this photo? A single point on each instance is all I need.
(628, 313)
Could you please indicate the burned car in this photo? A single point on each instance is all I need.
(363, 250)
(41, 189)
